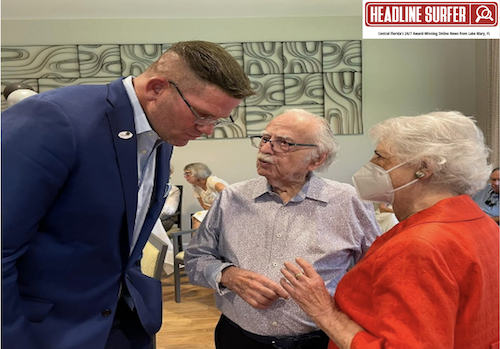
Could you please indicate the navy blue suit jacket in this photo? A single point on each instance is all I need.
(69, 200)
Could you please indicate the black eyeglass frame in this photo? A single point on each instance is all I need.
(264, 140)
(200, 120)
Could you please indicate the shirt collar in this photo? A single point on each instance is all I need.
(141, 121)
(311, 189)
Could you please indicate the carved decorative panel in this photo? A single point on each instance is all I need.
(323, 77)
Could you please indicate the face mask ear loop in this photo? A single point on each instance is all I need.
(404, 186)
(395, 167)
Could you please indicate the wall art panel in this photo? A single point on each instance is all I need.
(341, 56)
(135, 59)
(99, 61)
(236, 50)
(269, 88)
(302, 57)
(323, 77)
(303, 89)
(263, 58)
(40, 62)
(343, 102)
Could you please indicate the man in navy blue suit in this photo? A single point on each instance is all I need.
(84, 178)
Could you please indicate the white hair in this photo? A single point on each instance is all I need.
(323, 137)
(447, 142)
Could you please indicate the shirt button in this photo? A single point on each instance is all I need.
(275, 323)
(279, 235)
(143, 151)
(106, 312)
(275, 264)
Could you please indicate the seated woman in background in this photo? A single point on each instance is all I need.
(206, 187)
(171, 205)
(385, 216)
(432, 281)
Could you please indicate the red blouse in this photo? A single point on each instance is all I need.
(431, 282)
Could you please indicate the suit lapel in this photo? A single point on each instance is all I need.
(162, 174)
(121, 120)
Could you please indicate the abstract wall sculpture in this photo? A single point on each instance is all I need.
(323, 77)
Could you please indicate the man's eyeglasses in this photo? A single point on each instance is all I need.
(201, 120)
(278, 146)
(187, 174)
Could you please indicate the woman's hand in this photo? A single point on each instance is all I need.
(308, 289)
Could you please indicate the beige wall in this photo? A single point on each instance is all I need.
(400, 77)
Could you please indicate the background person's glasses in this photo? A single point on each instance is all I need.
(200, 120)
(492, 199)
(278, 146)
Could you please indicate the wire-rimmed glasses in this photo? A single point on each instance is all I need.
(201, 120)
(278, 145)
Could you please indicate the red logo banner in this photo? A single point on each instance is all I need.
(431, 14)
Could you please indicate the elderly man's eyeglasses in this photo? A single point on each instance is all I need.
(201, 120)
(187, 174)
(278, 145)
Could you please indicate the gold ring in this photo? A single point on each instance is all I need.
(298, 275)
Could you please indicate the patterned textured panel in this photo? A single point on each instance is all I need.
(302, 57)
(303, 89)
(236, 50)
(40, 62)
(341, 56)
(99, 61)
(270, 90)
(343, 102)
(323, 77)
(137, 58)
(263, 58)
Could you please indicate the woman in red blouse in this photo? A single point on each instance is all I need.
(432, 281)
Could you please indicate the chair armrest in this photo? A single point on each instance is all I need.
(182, 232)
(176, 240)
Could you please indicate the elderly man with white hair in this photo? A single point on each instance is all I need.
(253, 227)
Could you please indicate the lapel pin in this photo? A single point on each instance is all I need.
(125, 134)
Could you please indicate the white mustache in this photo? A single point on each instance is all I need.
(265, 158)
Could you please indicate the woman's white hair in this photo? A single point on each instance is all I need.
(323, 138)
(448, 143)
(199, 170)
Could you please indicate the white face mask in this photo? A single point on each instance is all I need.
(373, 183)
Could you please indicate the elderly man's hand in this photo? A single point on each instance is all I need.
(257, 290)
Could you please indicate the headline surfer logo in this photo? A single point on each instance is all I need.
(477, 14)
